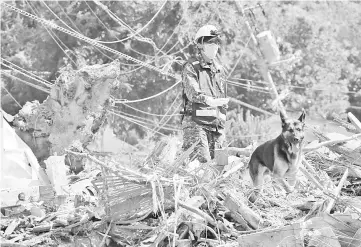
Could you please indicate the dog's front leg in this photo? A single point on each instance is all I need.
(289, 188)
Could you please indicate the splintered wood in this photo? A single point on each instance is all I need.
(166, 201)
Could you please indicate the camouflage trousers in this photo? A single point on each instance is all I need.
(209, 141)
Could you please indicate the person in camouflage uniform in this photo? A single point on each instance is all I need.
(204, 94)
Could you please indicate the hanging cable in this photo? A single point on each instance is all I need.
(32, 73)
(27, 83)
(109, 31)
(245, 87)
(175, 29)
(148, 113)
(122, 101)
(169, 118)
(248, 80)
(57, 17)
(159, 50)
(51, 35)
(239, 58)
(143, 120)
(71, 21)
(126, 118)
(248, 86)
(30, 76)
(86, 39)
(170, 107)
(21, 73)
(136, 32)
(11, 96)
(72, 28)
(124, 24)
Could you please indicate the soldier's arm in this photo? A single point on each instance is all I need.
(223, 78)
(191, 86)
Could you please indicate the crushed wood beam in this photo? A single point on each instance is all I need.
(345, 230)
(283, 236)
(202, 214)
(311, 178)
(308, 165)
(356, 242)
(102, 243)
(37, 239)
(355, 121)
(232, 170)
(239, 219)
(327, 193)
(92, 158)
(337, 191)
(237, 207)
(349, 127)
(331, 142)
(324, 237)
(46, 227)
(2, 244)
(12, 226)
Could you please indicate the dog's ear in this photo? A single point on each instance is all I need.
(283, 117)
(303, 116)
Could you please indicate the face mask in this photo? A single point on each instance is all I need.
(210, 50)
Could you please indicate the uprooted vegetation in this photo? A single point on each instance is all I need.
(163, 200)
(160, 198)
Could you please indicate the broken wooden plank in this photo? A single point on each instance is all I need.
(348, 219)
(238, 207)
(349, 127)
(311, 178)
(280, 237)
(20, 237)
(337, 191)
(356, 242)
(339, 225)
(46, 227)
(12, 226)
(323, 237)
(331, 142)
(208, 218)
(355, 121)
(2, 244)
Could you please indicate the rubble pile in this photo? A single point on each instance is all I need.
(165, 200)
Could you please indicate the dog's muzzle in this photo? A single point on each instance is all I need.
(298, 139)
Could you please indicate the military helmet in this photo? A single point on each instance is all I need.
(206, 31)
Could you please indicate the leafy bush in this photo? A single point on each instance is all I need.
(243, 128)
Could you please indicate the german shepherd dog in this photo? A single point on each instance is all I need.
(279, 157)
